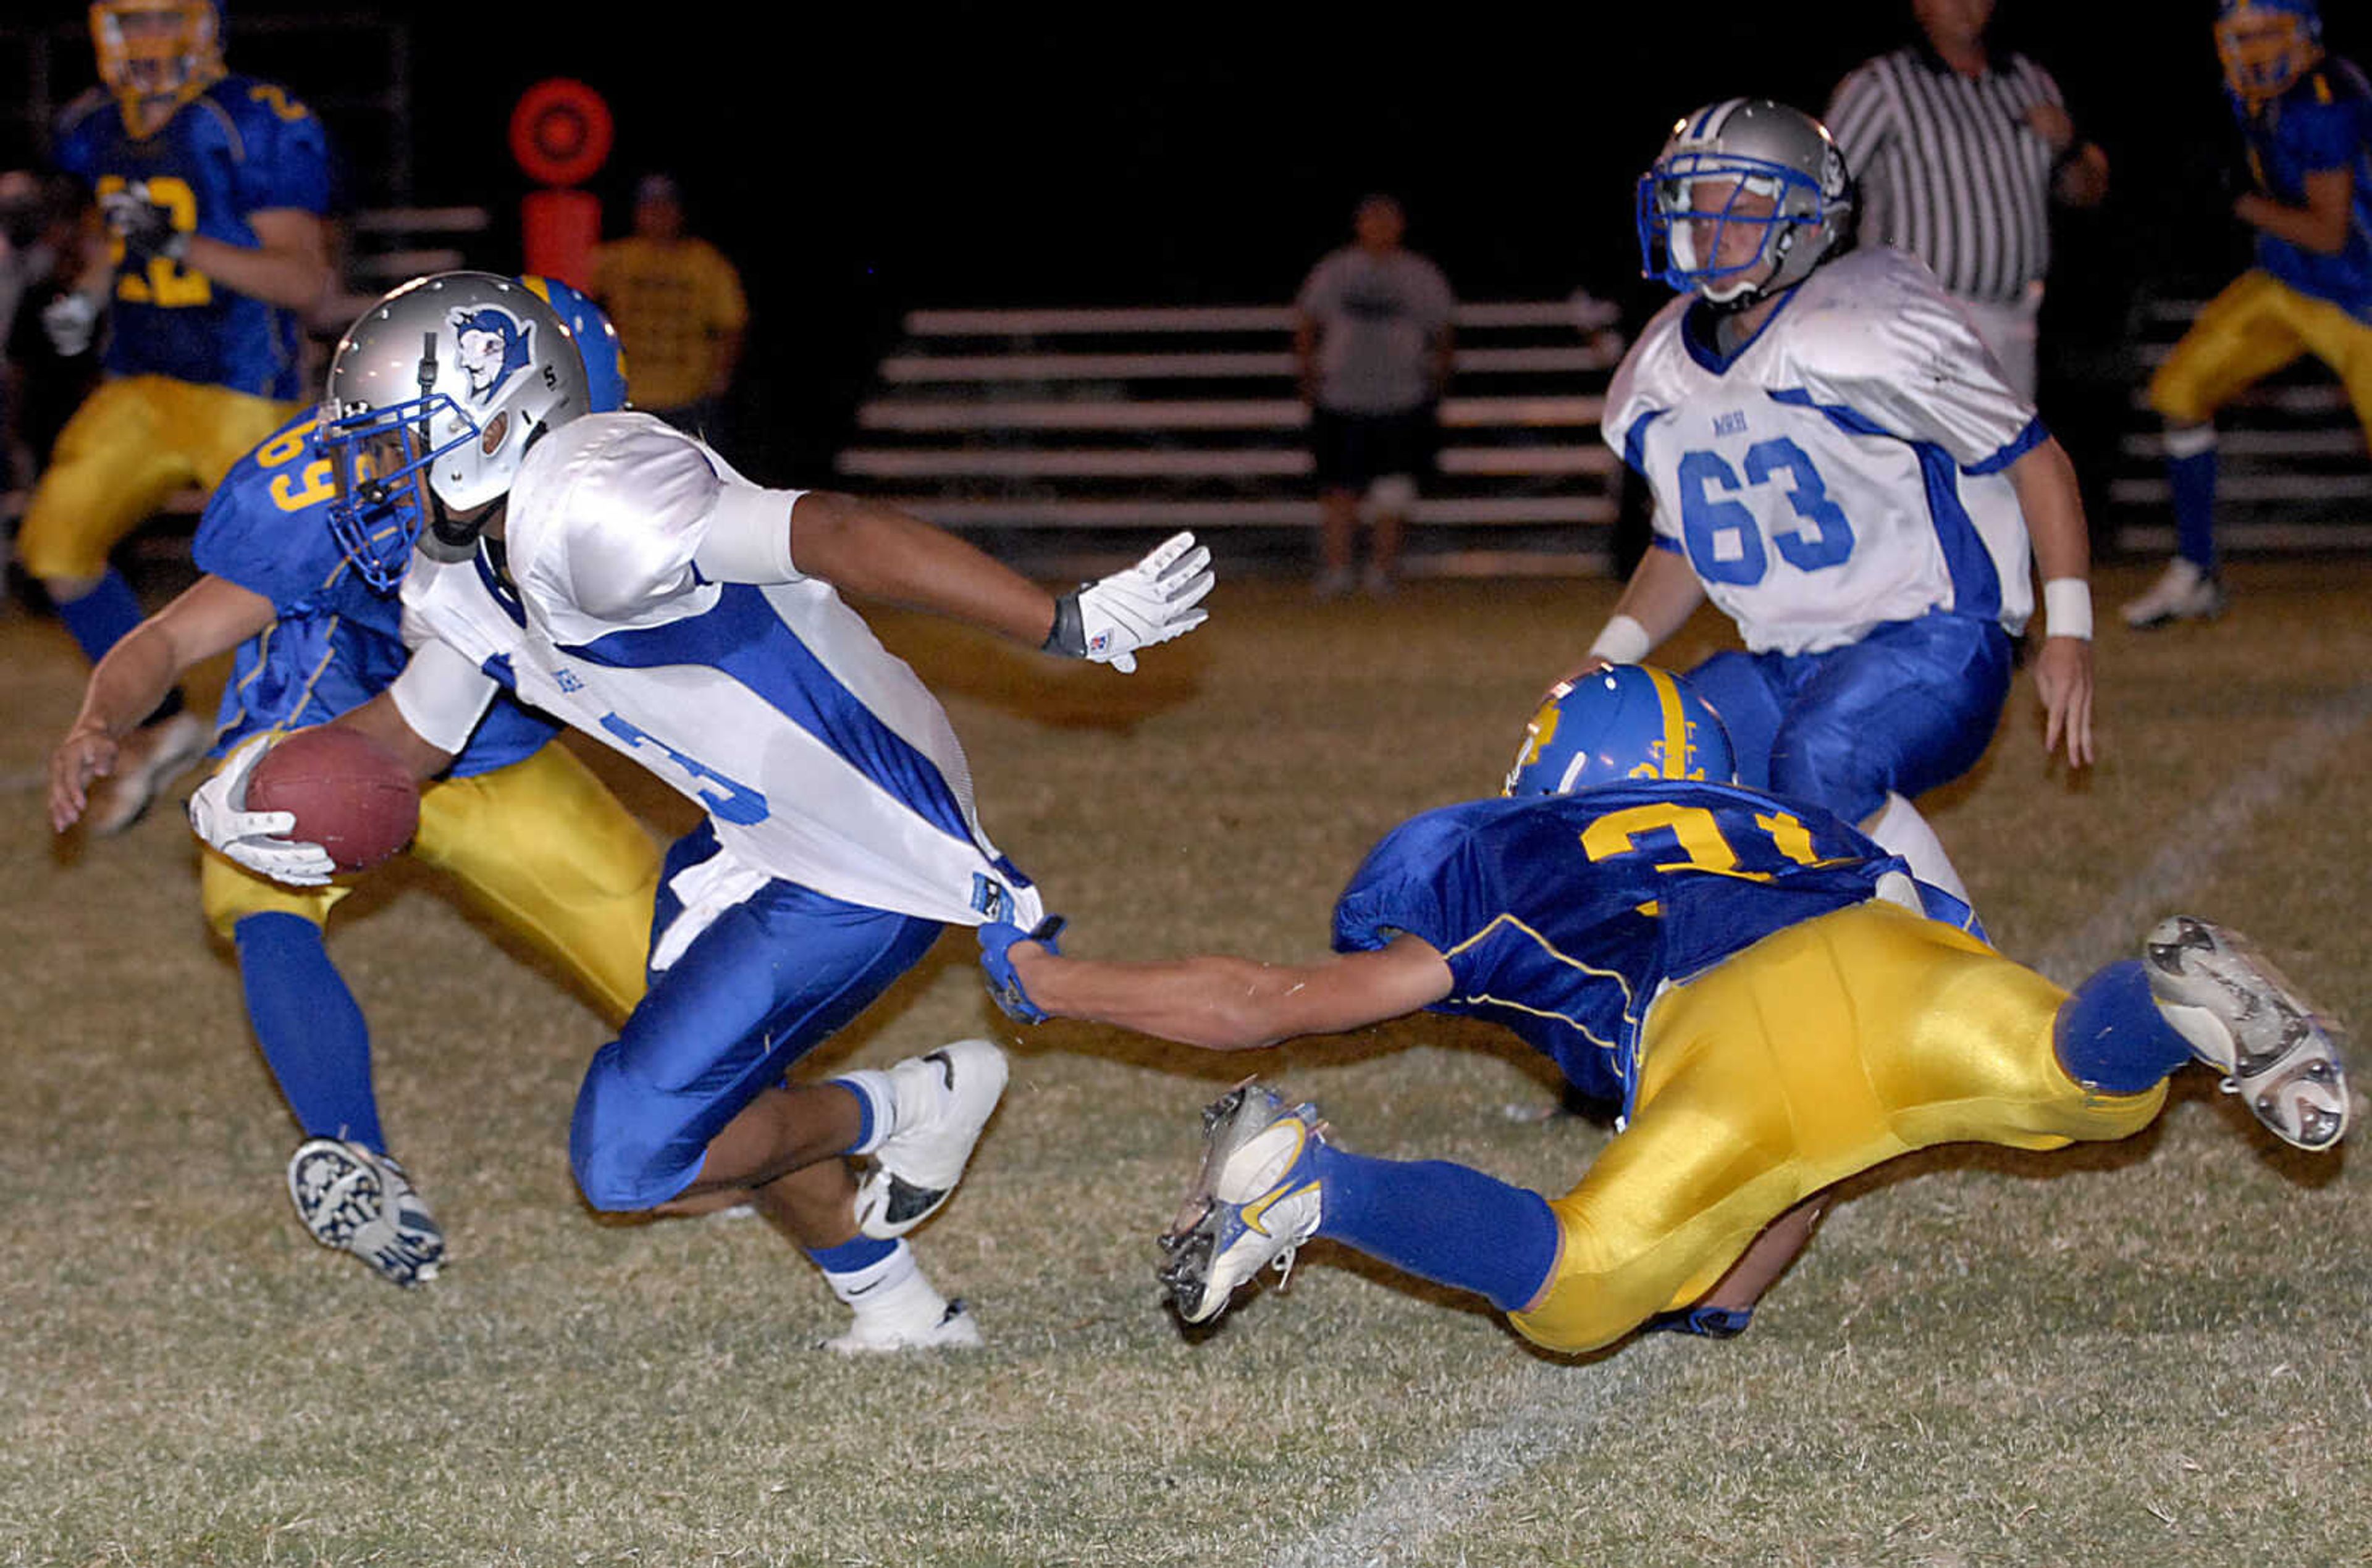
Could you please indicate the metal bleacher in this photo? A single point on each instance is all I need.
(2292, 474)
(1069, 437)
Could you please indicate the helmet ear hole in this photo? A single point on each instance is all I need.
(496, 428)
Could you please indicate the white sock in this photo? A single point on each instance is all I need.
(1900, 830)
(894, 1291)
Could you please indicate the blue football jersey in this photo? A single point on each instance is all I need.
(337, 643)
(241, 147)
(2323, 122)
(1562, 915)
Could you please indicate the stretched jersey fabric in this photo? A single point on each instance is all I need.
(1561, 917)
(336, 643)
(1841, 470)
(819, 757)
(2323, 122)
(241, 147)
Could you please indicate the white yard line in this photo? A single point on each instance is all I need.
(2195, 841)
(1553, 1410)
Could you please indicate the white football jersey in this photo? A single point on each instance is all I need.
(819, 757)
(1844, 468)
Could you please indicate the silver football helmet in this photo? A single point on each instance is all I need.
(1765, 167)
(435, 396)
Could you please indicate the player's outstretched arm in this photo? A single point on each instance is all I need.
(883, 552)
(1229, 1003)
(210, 617)
(880, 552)
(2045, 482)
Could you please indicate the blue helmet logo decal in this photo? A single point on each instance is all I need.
(491, 345)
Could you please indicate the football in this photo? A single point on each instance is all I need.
(349, 793)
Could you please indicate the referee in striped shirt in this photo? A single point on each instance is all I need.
(1960, 151)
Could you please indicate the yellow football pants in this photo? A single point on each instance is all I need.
(1820, 1052)
(132, 445)
(2253, 329)
(541, 844)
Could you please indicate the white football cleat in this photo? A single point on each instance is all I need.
(2182, 592)
(364, 1204)
(954, 1330)
(940, 1101)
(2243, 1018)
(149, 759)
(1252, 1205)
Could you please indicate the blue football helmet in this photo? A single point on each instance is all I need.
(1629, 720)
(2266, 45)
(596, 342)
(1769, 168)
(433, 398)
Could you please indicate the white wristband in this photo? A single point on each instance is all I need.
(2067, 608)
(1622, 640)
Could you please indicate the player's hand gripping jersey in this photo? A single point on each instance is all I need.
(337, 643)
(1563, 916)
(1841, 468)
(821, 758)
(242, 146)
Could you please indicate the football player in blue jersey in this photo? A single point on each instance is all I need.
(212, 188)
(2306, 118)
(1771, 1002)
(523, 826)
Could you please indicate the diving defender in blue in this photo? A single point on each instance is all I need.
(524, 827)
(1769, 997)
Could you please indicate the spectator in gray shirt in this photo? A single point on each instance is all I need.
(1372, 339)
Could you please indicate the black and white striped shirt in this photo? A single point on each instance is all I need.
(1949, 171)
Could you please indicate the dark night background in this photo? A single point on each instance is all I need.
(857, 162)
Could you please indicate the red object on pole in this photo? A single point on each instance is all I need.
(557, 228)
(561, 133)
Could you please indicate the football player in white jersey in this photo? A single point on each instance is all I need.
(618, 574)
(1838, 464)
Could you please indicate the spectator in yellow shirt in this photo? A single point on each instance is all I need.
(678, 308)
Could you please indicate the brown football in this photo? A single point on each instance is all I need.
(349, 793)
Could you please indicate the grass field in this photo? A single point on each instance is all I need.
(2155, 1351)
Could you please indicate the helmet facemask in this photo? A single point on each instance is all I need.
(1770, 200)
(435, 397)
(2265, 50)
(155, 55)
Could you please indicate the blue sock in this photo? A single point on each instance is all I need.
(849, 1256)
(310, 1027)
(2192, 477)
(1450, 1224)
(2111, 1036)
(100, 618)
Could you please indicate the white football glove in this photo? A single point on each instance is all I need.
(70, 320)
(256, 840)
(1108, 620)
